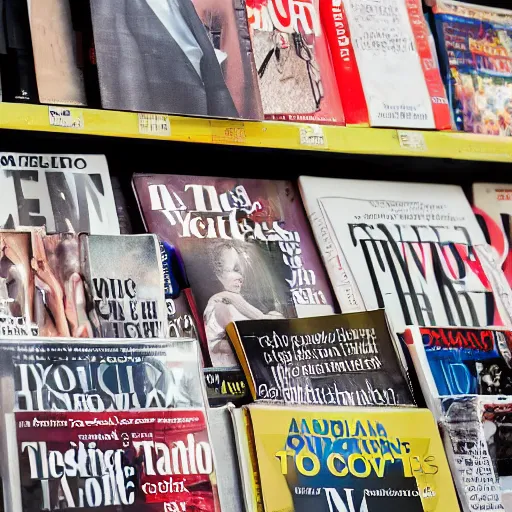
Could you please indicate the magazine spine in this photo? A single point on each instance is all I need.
(446, 71)
(85, 269)
(236, 342)
(342, 280)
(255, 477)
(162, 313)
(11, 480)
(414, 341)
(439, 102)
(337, 32)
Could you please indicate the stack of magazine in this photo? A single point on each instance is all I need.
(334, 425)
(104, 424)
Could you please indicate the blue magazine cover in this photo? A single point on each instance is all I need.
(464, 361)
(475, 51)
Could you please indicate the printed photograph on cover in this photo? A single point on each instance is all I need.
(469, 361)
(16, 284)
(357, 460)
(296, 78)
(64, 193)
(246, 282)
(497, 425)
(476, 48)
(45, 375)
(414, 249)
(60, 303)
(178, 57)
(145, 461)
(470, 445)
(246, 248)
(347, 360)
(124, 285)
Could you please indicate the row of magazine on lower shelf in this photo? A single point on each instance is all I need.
(334, 425)
(237, 266)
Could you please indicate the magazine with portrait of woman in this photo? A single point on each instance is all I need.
(233, 281)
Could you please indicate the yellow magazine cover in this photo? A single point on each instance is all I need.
(334, 459)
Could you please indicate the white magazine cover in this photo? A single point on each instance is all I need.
(493, 207)
(65, 193)
(389, 65)
(414, 249)
(476, 436)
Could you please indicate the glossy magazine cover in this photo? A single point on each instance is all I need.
(296, 78)
(65, 193)
(390, 45)
(60, 302)
(82, 398)
(91, 375)
(463, 361)
(351, 459)
(145, 461)
(177, 57)
(17, 293)
(492, 204)
(124, 285)
(415, 249)
(246, 247)
(344, 360)
(478, 443)
(475, 49)
(385, 67)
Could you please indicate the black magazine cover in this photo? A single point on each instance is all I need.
(350, 360)
(16, 58)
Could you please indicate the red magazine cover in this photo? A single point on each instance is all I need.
(337, 31)
(435, 86)
(145, 461)
(386, 69)
(295, 74)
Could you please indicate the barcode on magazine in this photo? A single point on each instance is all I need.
(154, 124)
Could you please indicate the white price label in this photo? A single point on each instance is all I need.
(154, 124)
(66, 117)
(412, 140)
(312, 135)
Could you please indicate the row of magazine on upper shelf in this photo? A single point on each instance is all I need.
(89, 423)
(332, 61)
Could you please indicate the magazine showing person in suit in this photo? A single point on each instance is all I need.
(160, 56)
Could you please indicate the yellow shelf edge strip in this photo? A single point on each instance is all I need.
(267, 134)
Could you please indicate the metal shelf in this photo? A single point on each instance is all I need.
(267, 134)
